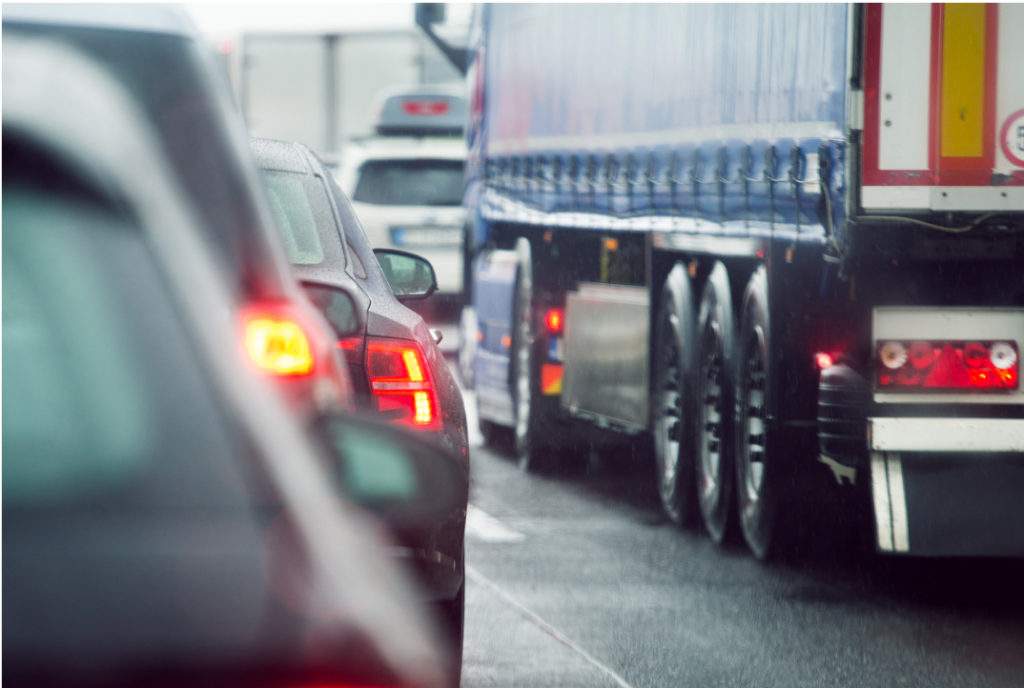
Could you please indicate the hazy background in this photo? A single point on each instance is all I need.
(314, 72)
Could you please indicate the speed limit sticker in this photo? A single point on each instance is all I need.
(1011, 138)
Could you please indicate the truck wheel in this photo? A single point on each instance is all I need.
(714, 404)
(674, 373)
(759, 473)
(530, 450)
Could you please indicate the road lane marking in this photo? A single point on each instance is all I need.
(483, 526)
(535, 618)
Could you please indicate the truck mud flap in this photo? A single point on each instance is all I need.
(949, 504)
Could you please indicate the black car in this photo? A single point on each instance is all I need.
(396, 366)
(166, 519)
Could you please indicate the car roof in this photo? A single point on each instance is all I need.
(422, 110)
(284, 156)
(135, 17)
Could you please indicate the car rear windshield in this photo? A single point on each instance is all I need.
(297, 202)
(410, 182)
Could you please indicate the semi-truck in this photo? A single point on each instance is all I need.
(769, 242)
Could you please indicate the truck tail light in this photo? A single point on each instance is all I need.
(275, 341)
(401, 384)
(948, 365)
(554, 321)
(823, 360)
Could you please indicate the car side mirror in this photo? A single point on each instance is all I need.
(411, 277)
(406, 481)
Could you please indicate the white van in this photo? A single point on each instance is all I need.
(406, 183)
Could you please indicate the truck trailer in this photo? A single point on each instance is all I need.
(770, 242)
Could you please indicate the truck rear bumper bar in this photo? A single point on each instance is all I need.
(946, 434)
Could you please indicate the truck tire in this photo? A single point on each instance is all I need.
(713, 399)
(531, 452)
(673, 378)
(761, 467)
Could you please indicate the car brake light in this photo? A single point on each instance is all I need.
(554, 320)
(948, 365)
(425, 107)
(276, 343)
(401, 383)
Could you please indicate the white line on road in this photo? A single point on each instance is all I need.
(483, 526)
(543, 625)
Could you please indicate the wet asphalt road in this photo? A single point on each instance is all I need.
(579, 581)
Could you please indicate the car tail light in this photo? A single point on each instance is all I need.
(276, 342)
(948, 365)
(554, 321)
(401, 384)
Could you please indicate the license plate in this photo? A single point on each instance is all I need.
(426, 236)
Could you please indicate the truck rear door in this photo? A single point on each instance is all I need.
(943, 108)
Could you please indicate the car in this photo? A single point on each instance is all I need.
(406, 184)
(174, 81)
(168, 520)
(395, 364)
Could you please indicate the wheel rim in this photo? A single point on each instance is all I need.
(670, 409)
(753, 409)
(711, 430)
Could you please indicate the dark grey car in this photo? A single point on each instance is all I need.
(381, 338)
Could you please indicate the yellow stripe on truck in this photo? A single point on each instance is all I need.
(963, 81)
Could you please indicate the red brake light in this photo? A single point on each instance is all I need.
(425, 107)
(401, 384)
(823, 360)
(554, 320)
(948, 365)
(276, 343)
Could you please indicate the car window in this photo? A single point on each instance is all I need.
(295, 202)
(421, 181)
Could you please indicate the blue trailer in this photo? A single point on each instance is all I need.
(771, 243)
